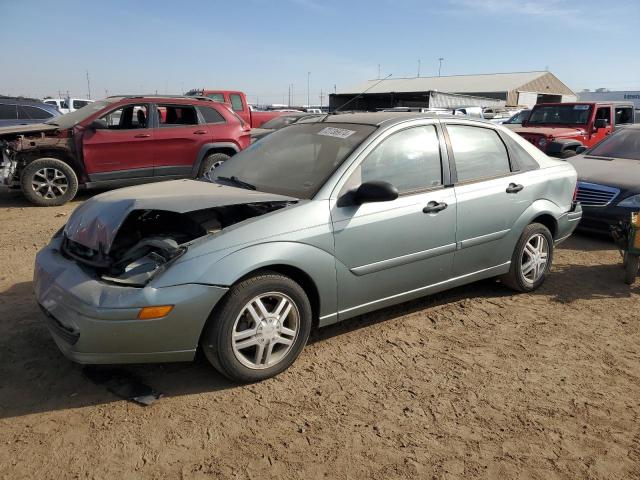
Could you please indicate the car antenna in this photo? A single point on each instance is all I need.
(360, 94)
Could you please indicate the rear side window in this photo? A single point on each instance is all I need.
(79, 104)
(519, 156)
(7, 112)
(177, 115)
(211, 115)
(478, 152)
(236, 102)
(33, 113)
(409, 160)
(624, 115)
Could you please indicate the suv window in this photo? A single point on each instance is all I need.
(218, 97)
(236, 102)
(127, 117)
(7, 112)
(176, 115)
(409, 160)
(624, 115)
(32, 113)
(211, 115)
(604, 113)
(478, 152)
(79, 104)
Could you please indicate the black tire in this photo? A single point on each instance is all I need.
(53, 194)
(211, 161)
(217, 343)
(515, 279)
(631, 264)
(567, 153)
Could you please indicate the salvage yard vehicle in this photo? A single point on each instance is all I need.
(278, 123)
(67, 105)
(119, 141)
(24, 111)
(564, 129)
(238, 103)
(609, 180)
(327, 219)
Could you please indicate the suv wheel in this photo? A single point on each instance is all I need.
(259, 329)
(531, 260)
(211, 162)
(48, 182)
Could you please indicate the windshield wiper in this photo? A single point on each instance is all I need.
(236, 181)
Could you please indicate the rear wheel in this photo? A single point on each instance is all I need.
(259, 329)
(210, 163)
(48, 182)
(531, 260)
(631, 264)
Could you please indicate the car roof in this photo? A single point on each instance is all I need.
(387, 118)
(163, 98)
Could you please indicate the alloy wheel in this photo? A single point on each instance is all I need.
(534, 259)
(49, 183)
(265, 330)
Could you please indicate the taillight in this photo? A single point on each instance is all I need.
(575, 194)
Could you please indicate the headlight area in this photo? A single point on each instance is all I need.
(631, 202)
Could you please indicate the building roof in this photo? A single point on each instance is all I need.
(490, 82)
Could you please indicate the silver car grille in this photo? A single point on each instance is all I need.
(594, 195)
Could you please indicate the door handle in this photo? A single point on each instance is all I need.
(434, 207)
(199, 132)
(514, 188)
(142, 135)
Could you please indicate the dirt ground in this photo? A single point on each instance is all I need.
(471, 383)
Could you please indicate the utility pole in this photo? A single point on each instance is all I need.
(321, 98)
(418, 68)
(334, 88)
(378, 71)
(289, 101)
(440, 59)
(88, 86)
(308, 89)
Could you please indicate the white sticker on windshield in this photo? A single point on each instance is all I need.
(581, 107)
(336, 132)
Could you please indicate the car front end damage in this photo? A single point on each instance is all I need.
(9, 165)
(95, 279)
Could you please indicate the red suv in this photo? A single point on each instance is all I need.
(119, 141)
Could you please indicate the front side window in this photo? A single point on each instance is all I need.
(409, 160)
(7, 112)
(79, 104)
(478, 152)
(236, 102)
(604, 113)
(177, 115)
(126, 118)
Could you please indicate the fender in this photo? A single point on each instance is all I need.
(210, 146)
(316, 263)
(536, 209)
(556, 147)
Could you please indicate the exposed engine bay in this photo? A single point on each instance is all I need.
(148, 240)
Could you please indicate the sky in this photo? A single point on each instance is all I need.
(265, 47)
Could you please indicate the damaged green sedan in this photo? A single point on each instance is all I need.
(324, 220)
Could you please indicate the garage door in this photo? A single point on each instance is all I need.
(527, 99)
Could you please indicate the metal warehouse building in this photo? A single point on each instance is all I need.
(521, 88)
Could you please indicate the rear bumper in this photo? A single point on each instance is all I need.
(94, 322)
(568, 222)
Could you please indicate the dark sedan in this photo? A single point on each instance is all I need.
(278, 123)
(609, 180)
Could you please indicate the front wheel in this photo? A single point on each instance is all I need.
(48, 182)
(259, 329)
(631, 264)
(531, 259)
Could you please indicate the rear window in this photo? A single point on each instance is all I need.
(33, 113)
(236, 102)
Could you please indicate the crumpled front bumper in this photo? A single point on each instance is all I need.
(94, 322)
(8, 167)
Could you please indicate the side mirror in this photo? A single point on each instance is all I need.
(581, 149)
(600, 123)
(98, 125)
(368, 192)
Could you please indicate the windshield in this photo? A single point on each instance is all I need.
(569, 114)
(295, 161)
(281, 121)
(624, 143)
(69, 120)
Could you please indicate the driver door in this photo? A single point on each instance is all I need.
(122, 148)
(393, 248)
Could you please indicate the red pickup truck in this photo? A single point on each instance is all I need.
(560, 129)
(238, 103)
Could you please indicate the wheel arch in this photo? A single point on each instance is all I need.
(556, 147)
(228, 148)
(26, 157)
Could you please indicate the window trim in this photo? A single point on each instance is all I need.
(454, 171)
(362, 157)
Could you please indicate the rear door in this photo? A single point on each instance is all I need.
(178, 136)
(491, 194)
(122, 147)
